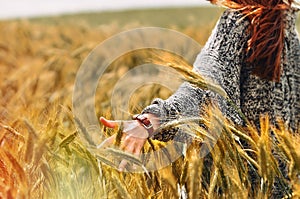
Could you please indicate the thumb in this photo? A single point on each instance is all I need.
(107, 123)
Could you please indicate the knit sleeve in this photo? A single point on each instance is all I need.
(220, 60)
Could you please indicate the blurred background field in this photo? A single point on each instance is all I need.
(41, 154)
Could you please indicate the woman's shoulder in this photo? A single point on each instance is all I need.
(233, 22)
(232, 14)
(234, 17)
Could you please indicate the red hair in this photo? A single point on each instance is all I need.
(266, 43)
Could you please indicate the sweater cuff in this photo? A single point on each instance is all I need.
(165, 114)
(164, 111)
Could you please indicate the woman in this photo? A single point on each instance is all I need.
(254, 54)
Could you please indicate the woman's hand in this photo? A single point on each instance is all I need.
(133, 139)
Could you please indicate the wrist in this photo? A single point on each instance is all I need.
(154, 120)
(149, 122)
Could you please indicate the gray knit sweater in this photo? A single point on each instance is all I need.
(223, 60)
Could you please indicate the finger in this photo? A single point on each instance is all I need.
(137, 151)
(107, 123)
(137, 154)
(122, 165)
(128, 147)
(127, 144)
(126, 141)
(107, 142)
(132, 145)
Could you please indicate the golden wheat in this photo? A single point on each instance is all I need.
(42, 156)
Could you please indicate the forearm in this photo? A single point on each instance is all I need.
(187, 101)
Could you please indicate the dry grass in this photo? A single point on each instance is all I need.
(43, 157)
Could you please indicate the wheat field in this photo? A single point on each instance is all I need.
(42, 155)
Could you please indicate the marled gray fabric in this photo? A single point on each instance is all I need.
(223, 60)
